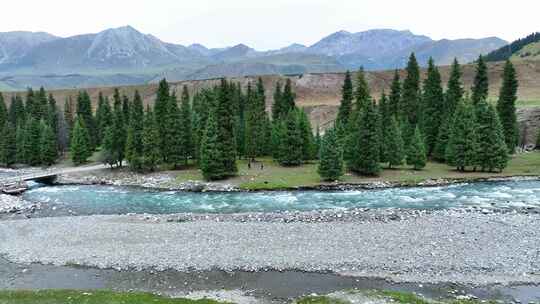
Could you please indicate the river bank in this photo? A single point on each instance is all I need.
(446, 246)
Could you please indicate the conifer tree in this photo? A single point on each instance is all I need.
(84, 112)
(32, 141)
(17, 111)
(186, 131)
(385, 117)
(277, 107)
(410, 98)
(69, 118)
(225, 120)
(331, 164)
(481, 83)
(161, 106)
(8, 145)
(346, 106)
(291, 145)
(202, 101)
(287, 98)
(108, 155)
(362, 92)
(174, 150)
(277, 135)
(211, 158)
(40, 107)
(48, 145)
(134, 141)
(506, 107)
(240, 128)
(126, 109)
(100, 117)
(491, 152)
(393, 146)
(255, 124)
(433, 107)
(52, 114)
(395, 95)
(80, 143)
(3, 111)
(365, 152)
(116, 146)
(306, 135)
(439, 153)
(461, 148)
(151, 152)
(454, 92)
(416, 152)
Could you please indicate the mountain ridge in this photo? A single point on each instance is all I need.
(125, 50)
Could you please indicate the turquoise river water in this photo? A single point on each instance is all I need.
(85, 200)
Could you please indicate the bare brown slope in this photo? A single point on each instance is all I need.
(320, 93)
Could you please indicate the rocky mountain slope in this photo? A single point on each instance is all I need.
(125, 53)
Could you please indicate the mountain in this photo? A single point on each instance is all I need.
(125, 55)
(513, 48)
(14, 45)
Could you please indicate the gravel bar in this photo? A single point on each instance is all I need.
(436, 247)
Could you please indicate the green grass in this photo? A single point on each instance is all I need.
(319, 300)
(528, 103)
(89, 297)
(274, 176)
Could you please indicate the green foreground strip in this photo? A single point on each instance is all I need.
(89, 297)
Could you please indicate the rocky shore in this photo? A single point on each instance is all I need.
(438, 246)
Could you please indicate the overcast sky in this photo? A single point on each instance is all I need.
(268, 24)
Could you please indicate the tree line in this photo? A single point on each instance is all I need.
(213, 127)
(419, 121)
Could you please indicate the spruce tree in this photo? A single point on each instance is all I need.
(108, 154)
(240, 128)
(506, 107)
(416, 152)
(277, 135)
(134, 141)
(410, 98)
(8, 145)
(365, 151)
(385, 117)
(48, 145)
(439, 153)
(393, 145)
(461, 148)
(346, 106)
(291, 145)
(69, 116)
(151, 152)
(287, 98)
(100, 117)
(306, 135)
(491, 152)
(174, 150)
(433, 107)
(32, 141)
(255, 123)
(84, 112)
(225, 121)
(80, 143)
(362, 93)
(117, 146)
(161, 106)
(481, 83)
(211, 158)
(52, 114)
(277, 106)
(395, 95)
(126, 109)
(17, 111)
(331, 164)
(186, 131)
(454, 92)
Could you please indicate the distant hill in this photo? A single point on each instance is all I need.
(513, 48)
(126, 56)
